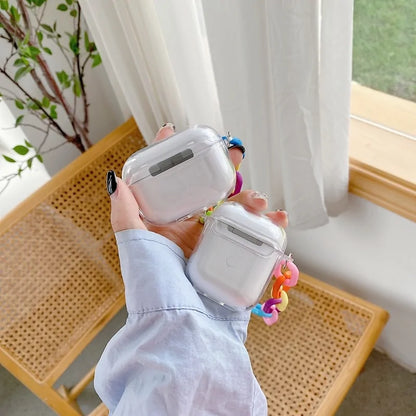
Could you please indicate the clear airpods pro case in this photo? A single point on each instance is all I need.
(235, 256)
(181, 175)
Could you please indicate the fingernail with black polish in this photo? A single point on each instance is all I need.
(111, 182)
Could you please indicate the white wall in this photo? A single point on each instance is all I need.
(370, 252)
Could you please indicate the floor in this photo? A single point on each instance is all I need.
(382, 389)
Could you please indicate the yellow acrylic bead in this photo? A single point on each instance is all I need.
(285, 300)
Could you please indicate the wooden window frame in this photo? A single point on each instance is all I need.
(382, 150)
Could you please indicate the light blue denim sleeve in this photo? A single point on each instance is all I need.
(179, 354)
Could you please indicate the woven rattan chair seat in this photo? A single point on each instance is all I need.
(308, 360)
(59, 270)
(60, 284)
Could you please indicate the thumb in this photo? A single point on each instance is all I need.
(124, 208)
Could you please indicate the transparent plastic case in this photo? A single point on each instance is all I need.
(181, 175)
(235, 256)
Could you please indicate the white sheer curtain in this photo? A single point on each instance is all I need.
(276, 73)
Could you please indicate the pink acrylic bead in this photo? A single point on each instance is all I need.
(293, 270)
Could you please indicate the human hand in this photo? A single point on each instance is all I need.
(125, 209)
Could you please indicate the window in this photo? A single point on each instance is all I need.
(383, 105)
(384, 50)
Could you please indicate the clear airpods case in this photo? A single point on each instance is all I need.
(181, 175)
(235, 256)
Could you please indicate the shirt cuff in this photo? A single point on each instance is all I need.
(153, 270)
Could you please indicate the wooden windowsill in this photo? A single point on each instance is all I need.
(382, 152)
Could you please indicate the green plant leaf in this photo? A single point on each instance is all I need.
(69, 2)
(62, 7)
(39, 35)
(28, 144)
(4, 5)
(53, 112)
(30, 51)
(63, 78)
(19, 104)
(24, 41)
(9, 159)
(21, 150)
(24, 50)
(33, 105)
(34, 52)
(38, 2)
(47, 28)
(86, 41)
(45, 102)
(15, 14)
(21, 72)
(89, 46)
(96, 60)
(48, 51)
(40, 158)
(20, 62)
(76, 88)
(73, 44)
(73, 13)
(29, 163)
(19, 120)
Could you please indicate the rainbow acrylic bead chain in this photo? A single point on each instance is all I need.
(285, 277)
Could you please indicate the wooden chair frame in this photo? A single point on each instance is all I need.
(309, 359)
(305, 363)
(57, 205)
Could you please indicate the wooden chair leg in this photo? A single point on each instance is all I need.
(58, 402)
(66, 394)
(100, 410)
(71, 394)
